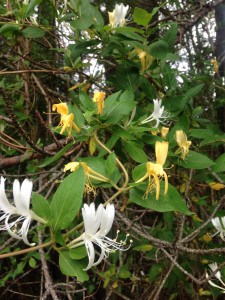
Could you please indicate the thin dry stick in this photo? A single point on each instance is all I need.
(48, 280)
(192, 235)
(162, 283)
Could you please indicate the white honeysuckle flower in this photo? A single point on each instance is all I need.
(33, 19)
(159, 114)
(97, 224)
(213, 268)
(117, 16)
(20, 212)
(219, 227)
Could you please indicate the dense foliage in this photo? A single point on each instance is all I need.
(124, 108)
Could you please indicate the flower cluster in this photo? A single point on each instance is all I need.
(18, 213)
(97, 224)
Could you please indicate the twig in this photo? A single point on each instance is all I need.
(48, 280)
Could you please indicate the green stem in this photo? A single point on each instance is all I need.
(117, 160)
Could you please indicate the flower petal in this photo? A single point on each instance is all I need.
(22, 196)
(5, 206)
(24, 231)
(107, 219)
(91, 254)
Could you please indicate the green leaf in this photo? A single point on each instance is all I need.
(195, 160)
(156, 270)
(32, 262)
(159, 49)
(86, 101)
(193, 92)
(219, 164)
(33, 32)
(171, 34)
(9, 29)
(121, 108)
(175, 104)
(88, 15)
(67, 200)
(172, 201)
(144, 247)
(71, 267)
(124, 272)
(78, 253)
(50, 160)
(30, 7)
(128, 34)
(141, 16)
(41, 206)
(135, 151)
(126, 77)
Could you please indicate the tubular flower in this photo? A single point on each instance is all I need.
(159, 114)
(21, 211)
(99, 98)
(164, 131)
(145, 58)
(89, 172)
(117, 16)
(183, 143)
(220, 226)
(97, 224)
(66, 121)
(156, 171)
(213, 268)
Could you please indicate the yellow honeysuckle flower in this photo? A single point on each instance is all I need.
(72, 166)
(145, 58)
(215, 65)
(156, 170)
(216, 186)
(164, 131)
(183, 143)
(99, 98)
(61, 108)
(89, 172)
(66, 121)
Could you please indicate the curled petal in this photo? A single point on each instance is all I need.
(91, 254)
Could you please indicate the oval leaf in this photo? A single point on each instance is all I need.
(67, 200)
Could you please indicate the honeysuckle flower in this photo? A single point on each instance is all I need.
(99, 98)
(89, 172)
(183, 143)
(145, 58)
(156, 170)
(159, 114)
(219, 224)
(97, 224)
(33, 19)
(117, 16)
(164, 131)
(66, 121)
(18, 213)
(213, 268)
(215, 65)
